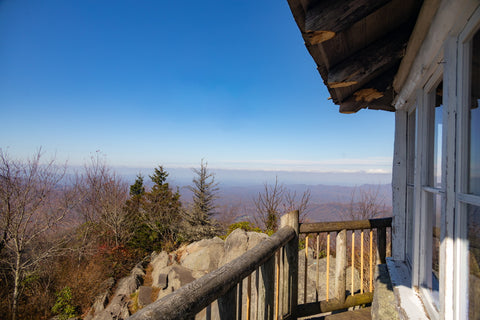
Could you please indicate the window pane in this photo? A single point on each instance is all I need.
(411, 146)
(436, 215)
(473, 225)
(437, 159)
(474, 165)
(409, 223)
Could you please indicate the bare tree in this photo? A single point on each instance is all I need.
(268, 204)
(296, 202)
(277, 199)
(105, 196)
(33, 201)
(365, 203)
(228, 214)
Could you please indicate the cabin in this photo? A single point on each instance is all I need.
(420, 60)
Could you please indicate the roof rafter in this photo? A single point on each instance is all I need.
(326, 18)
(370, 61)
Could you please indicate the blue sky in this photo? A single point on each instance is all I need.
(172, 82)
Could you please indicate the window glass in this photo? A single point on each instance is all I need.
(474, 158)
(411, 152)
(409, 224)
(438, 128)
(411, 146)
(437, 212)
(474, 261)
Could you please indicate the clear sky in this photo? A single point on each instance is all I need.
(172, 82)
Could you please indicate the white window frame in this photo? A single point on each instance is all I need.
(409, 251)
(425, 152)
(461, 191)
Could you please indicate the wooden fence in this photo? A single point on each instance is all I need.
(273, 264)
(363, 256)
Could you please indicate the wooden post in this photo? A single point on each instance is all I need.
(317, 271)
(370, 287)
(341, 266)
(381, 245)
(361, 262)
(249, 296)
(277, 283)
(290, 281)
(305, 271)
(328, 265)
(266, 297)
(353, 264)
(227, 304)
(239, 300)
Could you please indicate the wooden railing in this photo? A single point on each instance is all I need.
(363, 255)
(263, 282)
(273, 262)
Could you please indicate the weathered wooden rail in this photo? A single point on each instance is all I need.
(274, 264)
(225, 283)
(344, 297)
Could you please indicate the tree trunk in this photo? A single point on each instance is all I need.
(16, 287)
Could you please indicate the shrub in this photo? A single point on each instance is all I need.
(244, 225)
(63, 306)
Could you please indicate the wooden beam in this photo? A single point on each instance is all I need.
(336, 226)
(329, 17)
(376, 95)
(361, 66)
(334, 304)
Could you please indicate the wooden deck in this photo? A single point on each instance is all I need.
(361, 314)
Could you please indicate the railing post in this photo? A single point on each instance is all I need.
(266, 290)
(227, 304)
(341, 266)
(290, 278)
(381, 245)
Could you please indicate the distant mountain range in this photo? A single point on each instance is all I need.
(327, 203)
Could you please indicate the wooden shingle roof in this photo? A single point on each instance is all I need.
(358, 46)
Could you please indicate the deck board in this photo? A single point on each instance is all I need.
(361, 314)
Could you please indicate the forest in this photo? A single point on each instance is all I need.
(64, 235)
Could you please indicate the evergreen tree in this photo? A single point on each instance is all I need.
(161, 207)
(132, 207)
(199, 217)
(137, 188)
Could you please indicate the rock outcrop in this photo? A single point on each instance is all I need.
(169, 272)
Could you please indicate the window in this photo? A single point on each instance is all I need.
(470, 203)
(432, 198)
(411, 156)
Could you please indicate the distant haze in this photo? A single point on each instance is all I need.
(183, 176)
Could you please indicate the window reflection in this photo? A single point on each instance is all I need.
(437, 158)
(474, 159)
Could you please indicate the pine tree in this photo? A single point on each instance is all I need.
(137, 188)
(199, 217)
(161, 207)
(155, 214)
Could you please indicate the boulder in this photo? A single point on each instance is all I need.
(144, 296)
(177, 277)
(101, 300)
(129, 284)
(238, 242)
(160, 277)
(116, 310)
(159, 262)
(203, 255)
